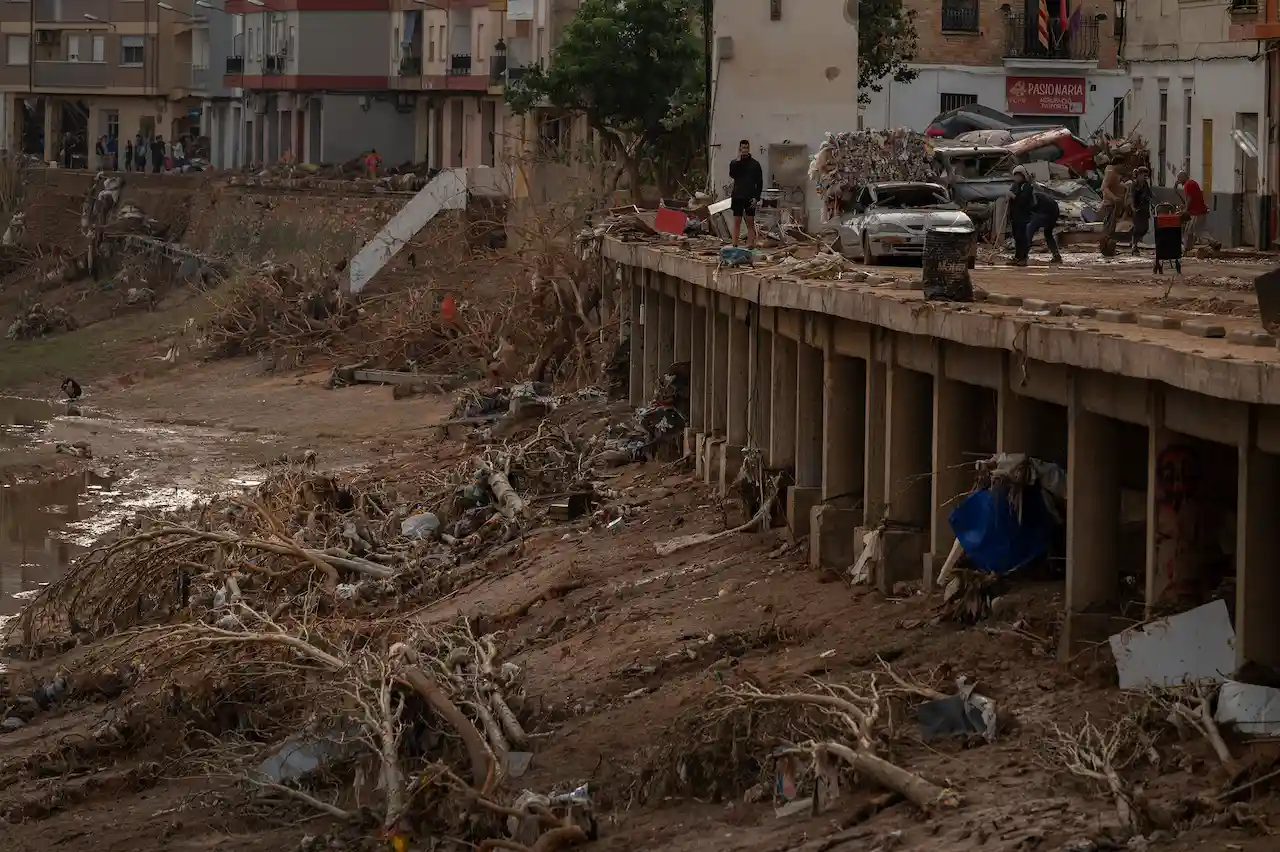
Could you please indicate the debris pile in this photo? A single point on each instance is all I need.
(851, 159)
(1127, 152)
(280, 611)
(277, 308)
(39, 321)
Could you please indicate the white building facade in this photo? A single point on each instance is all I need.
(1200, 100)
(784, 74)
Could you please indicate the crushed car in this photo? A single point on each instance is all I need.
(890, 219)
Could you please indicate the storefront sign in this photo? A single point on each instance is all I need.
(1045, 95)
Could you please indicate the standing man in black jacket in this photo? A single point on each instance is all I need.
(748, 186)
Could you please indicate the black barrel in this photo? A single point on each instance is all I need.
(946, 264)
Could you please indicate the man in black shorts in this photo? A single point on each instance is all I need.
(748, 186)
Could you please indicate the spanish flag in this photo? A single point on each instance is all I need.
(1043, 24)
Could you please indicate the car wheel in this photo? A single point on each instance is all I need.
(867, 257)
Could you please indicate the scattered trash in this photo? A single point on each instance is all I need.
(1254, 710)
(12, 723)
(1194, 646)
(39, 321)
(420, 526)
(964, 714)
(299, 757)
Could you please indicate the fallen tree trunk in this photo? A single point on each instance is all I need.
(924, 795)
(482, 763)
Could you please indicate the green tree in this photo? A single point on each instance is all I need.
(887, 41)
(632, 67)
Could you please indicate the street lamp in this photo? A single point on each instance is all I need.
(98, 20)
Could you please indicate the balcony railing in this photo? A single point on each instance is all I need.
(273, 63)
(459, 65)
(410, 66)
(73, 75)
(1079, 44)
(202, 79)
(235, 64)
(960, 16)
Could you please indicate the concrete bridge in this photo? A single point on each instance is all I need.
(880, 402)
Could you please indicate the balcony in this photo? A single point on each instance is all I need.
(235, 65)
(410, 66)
(72, 75)
(202, 80)
(1080, 44)
(960, 16)
(273, 64)
(459, 65)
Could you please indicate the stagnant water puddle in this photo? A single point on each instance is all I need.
(38, 525)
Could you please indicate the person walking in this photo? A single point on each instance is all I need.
(128, 155)
(100, 153)
(1112, 200)
(1044, 214)
(1140, 199)
(158, 154)
(140, 154)
(113, 154)
(1196, 210)
(372, 162)
(748, 186)
(1022, 201)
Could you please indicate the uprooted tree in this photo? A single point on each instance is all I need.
(633, 68)
(887, 43)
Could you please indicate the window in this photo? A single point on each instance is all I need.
(99, 48)
(113, 123)
(431, 44)
(1117, 117)
(954, 101)
(73, 48)
(131, 50)
(960, 16)
(291, 46)
(19, 48)
(1162, 139)
(1186, 130)
(479, 42)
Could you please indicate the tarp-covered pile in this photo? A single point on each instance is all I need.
(854, 158)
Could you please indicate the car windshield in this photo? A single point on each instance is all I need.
(978, 166)
(905, 197)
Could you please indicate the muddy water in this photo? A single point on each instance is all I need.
(34, 520)
(21, 420)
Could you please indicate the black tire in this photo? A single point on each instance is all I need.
(867, 257)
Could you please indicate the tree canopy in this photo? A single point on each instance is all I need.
(887, 42)
(633, 67)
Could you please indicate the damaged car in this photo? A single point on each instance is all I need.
(890, 219)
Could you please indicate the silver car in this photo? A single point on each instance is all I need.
(890, 219)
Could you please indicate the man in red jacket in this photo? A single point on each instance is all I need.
(1196, 209)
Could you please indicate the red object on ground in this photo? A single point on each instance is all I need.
(1195, 198)
(449, 309)
(1169, 220)
(670, 221)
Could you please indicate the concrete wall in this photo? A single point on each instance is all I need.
(915, 104)
(338, 43)
(1177, 29)
(1221, 90)
(349, 130)
(789, 80)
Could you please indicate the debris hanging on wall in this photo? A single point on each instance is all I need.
(851, 159)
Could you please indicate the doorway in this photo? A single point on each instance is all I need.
(1245, 138)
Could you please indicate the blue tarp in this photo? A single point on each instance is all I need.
(989, 530)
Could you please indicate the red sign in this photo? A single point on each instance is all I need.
(1045, 95)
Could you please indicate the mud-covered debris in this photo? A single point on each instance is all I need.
(420, 526)
(39, 321)
(79, 449)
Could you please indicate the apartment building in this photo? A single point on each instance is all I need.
(455, 57)
(1200, 99)
(1257, 23)
(81, 69)
(314, 77)
(785, 73)
(1048, 60)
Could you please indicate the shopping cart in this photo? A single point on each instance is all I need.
(1168, 237)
